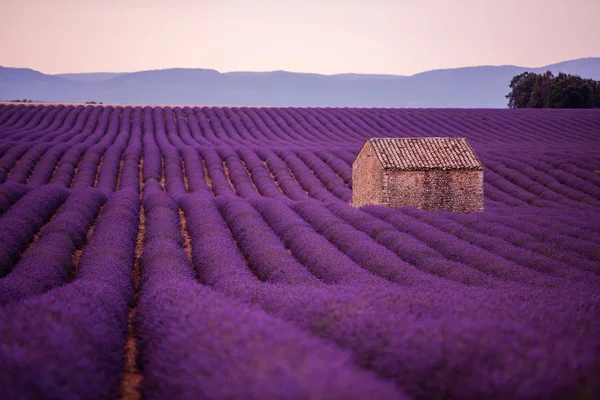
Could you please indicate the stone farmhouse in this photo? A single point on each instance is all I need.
(429, 173)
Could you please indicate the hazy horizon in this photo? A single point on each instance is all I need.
(298, 72)
(311, 36)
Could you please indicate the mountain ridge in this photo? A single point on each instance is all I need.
(464, 87)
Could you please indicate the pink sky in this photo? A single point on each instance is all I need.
(323, 36)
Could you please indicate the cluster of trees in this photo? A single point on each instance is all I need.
(544, 90)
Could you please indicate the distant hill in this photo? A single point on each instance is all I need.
(470, 87)
(90, 77)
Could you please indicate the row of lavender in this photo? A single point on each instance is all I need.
(300, 299)
(293, 126)
(476, 249)
(245, 172)
(256, 279)
(106, 150)
(566, 244)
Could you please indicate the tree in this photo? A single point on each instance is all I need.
(522, 86)
(531, 90)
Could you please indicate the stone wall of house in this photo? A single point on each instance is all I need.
(450, 190)
(366, 178)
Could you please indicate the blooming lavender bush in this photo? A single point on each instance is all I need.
(211, 252)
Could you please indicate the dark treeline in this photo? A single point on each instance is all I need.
(544, 90)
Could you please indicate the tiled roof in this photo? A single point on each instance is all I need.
(412, 154)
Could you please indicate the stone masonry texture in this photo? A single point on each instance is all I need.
(426, 173)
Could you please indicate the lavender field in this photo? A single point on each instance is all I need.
(212, 253)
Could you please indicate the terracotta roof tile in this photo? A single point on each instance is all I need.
(425, 153)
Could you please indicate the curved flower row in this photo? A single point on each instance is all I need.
(24, 219)
(49, 263)
(77, 347)
(187, 331)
